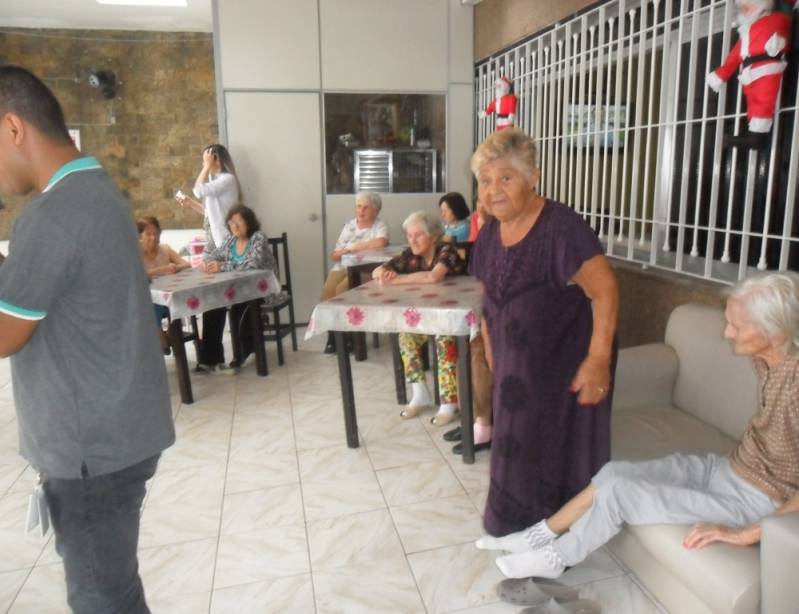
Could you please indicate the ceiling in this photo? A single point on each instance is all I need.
(75, 14)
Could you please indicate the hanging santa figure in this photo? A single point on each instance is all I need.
(759, 54)
(504, 105)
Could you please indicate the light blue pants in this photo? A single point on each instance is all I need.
(677, 489)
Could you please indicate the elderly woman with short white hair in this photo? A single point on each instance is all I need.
(364, 232)
(729, 495)
(427, 260)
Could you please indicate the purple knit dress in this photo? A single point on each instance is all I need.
(546, 447)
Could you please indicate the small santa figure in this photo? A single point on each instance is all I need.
(504, 105)
(759, 54)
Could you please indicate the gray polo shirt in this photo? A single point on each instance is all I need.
(90, 385)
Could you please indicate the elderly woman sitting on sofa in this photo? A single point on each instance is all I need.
(727, 496)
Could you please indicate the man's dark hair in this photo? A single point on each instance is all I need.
(23, 93)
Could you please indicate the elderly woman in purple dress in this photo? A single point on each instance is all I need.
(550, 310)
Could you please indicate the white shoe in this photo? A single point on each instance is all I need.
(543, 562)
(528, 539)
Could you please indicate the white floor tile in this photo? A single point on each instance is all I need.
(262, 508)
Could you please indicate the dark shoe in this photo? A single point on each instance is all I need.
(458, 448)
(748, 140)
(534, 591)
(203, 368)
(453, 435)
(330, 346)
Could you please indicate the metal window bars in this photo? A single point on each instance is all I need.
(630, 136)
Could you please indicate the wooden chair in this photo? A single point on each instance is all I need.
(274, 330)
(464, 250)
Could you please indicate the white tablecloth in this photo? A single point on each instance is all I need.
(191, 292)
(372, 256)
(451, 307)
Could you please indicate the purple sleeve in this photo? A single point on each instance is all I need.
(575, 243)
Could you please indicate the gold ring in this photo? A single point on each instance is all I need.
(601, 389)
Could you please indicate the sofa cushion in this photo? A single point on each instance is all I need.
(712, 383)
(653, 432)
(725, 577)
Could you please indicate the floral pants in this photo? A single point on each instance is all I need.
(412, 345)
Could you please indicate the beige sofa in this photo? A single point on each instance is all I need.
(692, 394)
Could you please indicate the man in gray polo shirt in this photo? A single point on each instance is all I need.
(89, 382)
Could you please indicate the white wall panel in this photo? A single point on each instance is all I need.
(396, 45)
(275, 143)
(269, 44)
(461, 42)
(460, 140)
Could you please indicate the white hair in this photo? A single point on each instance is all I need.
(772, 301)
(372, 197)
(429, 223)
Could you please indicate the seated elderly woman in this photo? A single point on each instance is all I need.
(428, 260)
(363, 232)
(158, 260)
(455, 215)
(728, 496)
(245, 248)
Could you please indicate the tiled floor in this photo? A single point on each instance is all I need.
(260, 507)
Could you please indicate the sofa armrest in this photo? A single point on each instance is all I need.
(779, 550)
(645, 376)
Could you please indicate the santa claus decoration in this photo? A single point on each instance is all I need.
(759, 56)
(504, 104)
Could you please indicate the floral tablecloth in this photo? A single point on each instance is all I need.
(451, 307)
(191, 292)
(372, 256)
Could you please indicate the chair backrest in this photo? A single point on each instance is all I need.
(712, 383)
(280, 251)
(464, 250)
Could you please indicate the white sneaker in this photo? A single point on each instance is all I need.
(223, 369)
(542, 562)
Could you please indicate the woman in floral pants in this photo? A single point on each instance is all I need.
(427, 260)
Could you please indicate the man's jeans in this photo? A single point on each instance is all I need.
(96, 524)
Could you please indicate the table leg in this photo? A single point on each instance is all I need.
(465, 399)
(235, 336)
(258, 338)
(175, 335)
(354, 274)
(359, 346)
(347, 394)
(399, 372)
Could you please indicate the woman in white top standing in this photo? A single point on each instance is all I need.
(218, 187)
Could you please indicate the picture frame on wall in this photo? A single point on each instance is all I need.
(586, 124)
(381, 123)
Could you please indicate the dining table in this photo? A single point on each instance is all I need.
(191, 292)
(359, 264)
(450, 307)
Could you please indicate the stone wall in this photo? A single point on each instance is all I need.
(648, 296)
(150, 136)
(499, 23)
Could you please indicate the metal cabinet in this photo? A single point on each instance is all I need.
(396, 170)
